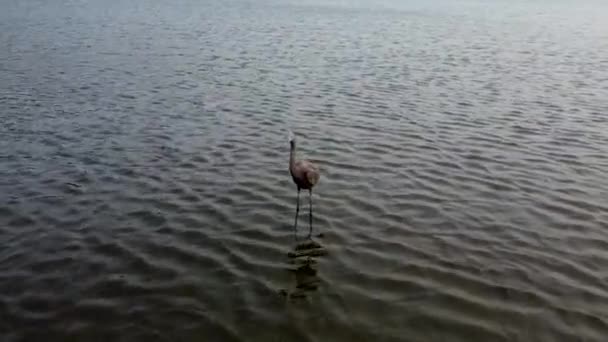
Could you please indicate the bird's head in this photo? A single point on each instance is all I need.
(292, 139)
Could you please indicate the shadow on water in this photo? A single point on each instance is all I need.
(303, 262)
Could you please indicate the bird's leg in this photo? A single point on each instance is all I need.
(295, 225)
(310, 212)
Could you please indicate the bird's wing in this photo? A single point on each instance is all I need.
(311, 171)
(313, 177)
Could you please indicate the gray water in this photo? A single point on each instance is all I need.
(145, 195)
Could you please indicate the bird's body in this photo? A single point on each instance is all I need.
(305, 175)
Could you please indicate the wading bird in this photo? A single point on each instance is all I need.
(305, 174)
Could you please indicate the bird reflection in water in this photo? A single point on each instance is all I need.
(303, 261)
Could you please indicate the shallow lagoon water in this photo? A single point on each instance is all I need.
(144, 190)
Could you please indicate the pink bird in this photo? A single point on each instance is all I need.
(306, 175)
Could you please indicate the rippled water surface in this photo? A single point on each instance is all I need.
(145, 196)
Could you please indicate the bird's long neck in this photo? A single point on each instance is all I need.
(292, 155)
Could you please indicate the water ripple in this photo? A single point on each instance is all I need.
(145, 195)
